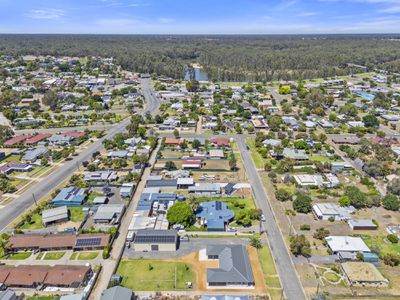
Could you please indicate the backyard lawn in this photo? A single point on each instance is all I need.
(380, 242)
(77, 214)
(155, 275)
(54, 255)
(93, 195)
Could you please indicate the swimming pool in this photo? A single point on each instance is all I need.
(366, 96)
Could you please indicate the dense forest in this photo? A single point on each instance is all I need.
(227, 58)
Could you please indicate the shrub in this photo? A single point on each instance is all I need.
(392, 238)
(305, 227)
(391, 259)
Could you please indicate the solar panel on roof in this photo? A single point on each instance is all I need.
(88, 242)
(154, 239)
(218, 205)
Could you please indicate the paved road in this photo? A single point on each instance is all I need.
(152, 102)
(11, 211)
(290, 282)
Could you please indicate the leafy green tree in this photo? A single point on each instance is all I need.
(299, 245)
(391, 202)
(170, 165)
(357, 198)
(284, 90)
(370, 121)
(181, 213)
(283, 195)
(302, 203)
(196, 144)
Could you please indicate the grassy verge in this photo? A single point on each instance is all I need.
(268, 267)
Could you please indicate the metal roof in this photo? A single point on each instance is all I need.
(234, 265)
(146, 236)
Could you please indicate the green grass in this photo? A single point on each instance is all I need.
(43, 298)
(54, 255)
(18, 256)
(268, 267)
(39, 256)
(320, 158)
(374, 242)
(138, 275)
(259, 161)
(13, 158)
(41, 171)
(93, 195)
(77, 214)
(87, 255)
(36, 222)
(73, 256)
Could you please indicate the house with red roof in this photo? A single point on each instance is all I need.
(37, 138)
(220, 142)
(17, 139)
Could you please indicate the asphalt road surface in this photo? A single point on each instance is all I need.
(152, 102)
(292, 287)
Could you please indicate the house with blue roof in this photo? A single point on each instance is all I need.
(70, 196)
(214, 214)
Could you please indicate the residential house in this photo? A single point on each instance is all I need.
(32, 155)
(328, 210)
(234, 270)
(55, 215)
(156, 240)
(70, 196)
(215, 215)
(109, 213)
(349, 244)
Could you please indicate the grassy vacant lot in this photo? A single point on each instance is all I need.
(94, 195)
(18, 256)
(54, 255)
(379, 242)
(155, 275)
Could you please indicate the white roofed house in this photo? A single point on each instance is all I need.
(349, 244)
(55, 215)
(325, 211)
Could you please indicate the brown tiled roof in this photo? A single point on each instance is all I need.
(37, 138)
(59, 275)
(24, 275)
(30, 241)
(173, 141)
(66, 275)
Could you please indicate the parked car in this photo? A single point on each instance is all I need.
(231, 229)
(263, 218)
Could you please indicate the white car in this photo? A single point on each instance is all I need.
(263, 218)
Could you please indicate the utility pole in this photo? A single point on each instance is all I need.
(34, 199)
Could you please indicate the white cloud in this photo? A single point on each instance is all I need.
(46, 13)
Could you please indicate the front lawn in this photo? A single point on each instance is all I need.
(87, 255)
(18, 256)
(35, 223)
(54, 255)
(155, 275)
(43, 298)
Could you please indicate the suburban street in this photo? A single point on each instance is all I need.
(11, 211)
(291, 285)
(151, 100)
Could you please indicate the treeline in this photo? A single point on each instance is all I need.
(225, 58)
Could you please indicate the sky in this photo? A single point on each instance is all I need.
(199, 16)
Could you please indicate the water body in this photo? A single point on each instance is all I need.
(195, 74)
